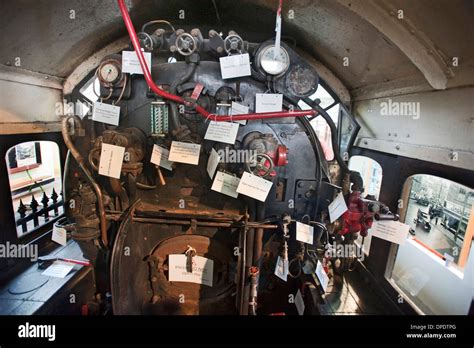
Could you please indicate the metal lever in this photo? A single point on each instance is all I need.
(190, 253)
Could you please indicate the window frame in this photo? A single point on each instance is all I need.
(8, 231)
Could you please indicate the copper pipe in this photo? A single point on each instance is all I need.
(81, 162)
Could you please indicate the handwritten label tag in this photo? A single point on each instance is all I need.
(160, 157)
(202, 270)
(281, 269)
(235, 66)
(224, 132)
(393, 231)
(111, 160)
(239, 109)
(299, 303)
(212, 163)
(322, 276)
(226, 184)
(254, 186)
(267, 102)
(106, 113)
(131, 64)
(59, 235)
(184, 152)
(304, 233)
(58, 269)
(337, 207)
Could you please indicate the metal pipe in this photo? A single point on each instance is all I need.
(178, 99)
(199, 223)
(253, 273)
(81, 162)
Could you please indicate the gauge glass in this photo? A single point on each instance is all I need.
(109, 73)
(274, 65)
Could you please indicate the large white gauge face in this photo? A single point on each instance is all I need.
(109, 73)
(274, 64)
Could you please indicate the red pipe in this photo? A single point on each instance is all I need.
(178, 99)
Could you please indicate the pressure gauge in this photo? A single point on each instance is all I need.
(109, 73)
(271, 63)
(301, 81)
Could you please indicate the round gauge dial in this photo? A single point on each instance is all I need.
(301, 81)
(110, 73)
(274, 64)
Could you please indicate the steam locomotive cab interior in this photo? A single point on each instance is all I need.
(203, 163)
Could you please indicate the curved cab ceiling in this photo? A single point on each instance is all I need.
(412, 53)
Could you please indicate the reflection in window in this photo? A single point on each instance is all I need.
(434, 268)
(34, 173)
(371, 172)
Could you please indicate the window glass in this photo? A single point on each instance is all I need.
(324, 96)
(34, 173)
(434, 268)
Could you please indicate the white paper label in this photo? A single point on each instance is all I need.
(59, 235)
(254, 186)
(322, 276)
(160, 156)
(224, 132)
(268, 102)
(304, 233)
(299, 303)
(202, 270)
(239, 109)
(106, 113)
(281, 269)
(212, 163)
(226, 184)
(184, 152)
(131, 64)
(58, 270)
(393, 231)
(337, 207)
(111, 160)
(235, 66)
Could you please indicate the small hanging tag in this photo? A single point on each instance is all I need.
(281, 269)
(235, 66)
(59, 235)
(337, 207)
(106, 113)
(111, 160)
(268, 102)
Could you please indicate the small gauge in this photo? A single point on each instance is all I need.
(273, 64)
(301, 81)
(109, 73)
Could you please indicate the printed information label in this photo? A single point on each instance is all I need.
(322, 276)
(106, 113)
(304, 233)
(239, 109)
(59, 235)
(202, 270)
(226, 184)
(212, 163)
(267, 102)
(111, 160)
(131, 64)
(393, 231)
(337, 207)
(254, 186)
(224, 132)
(235, 66)
(160, 157)
(184, 152)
